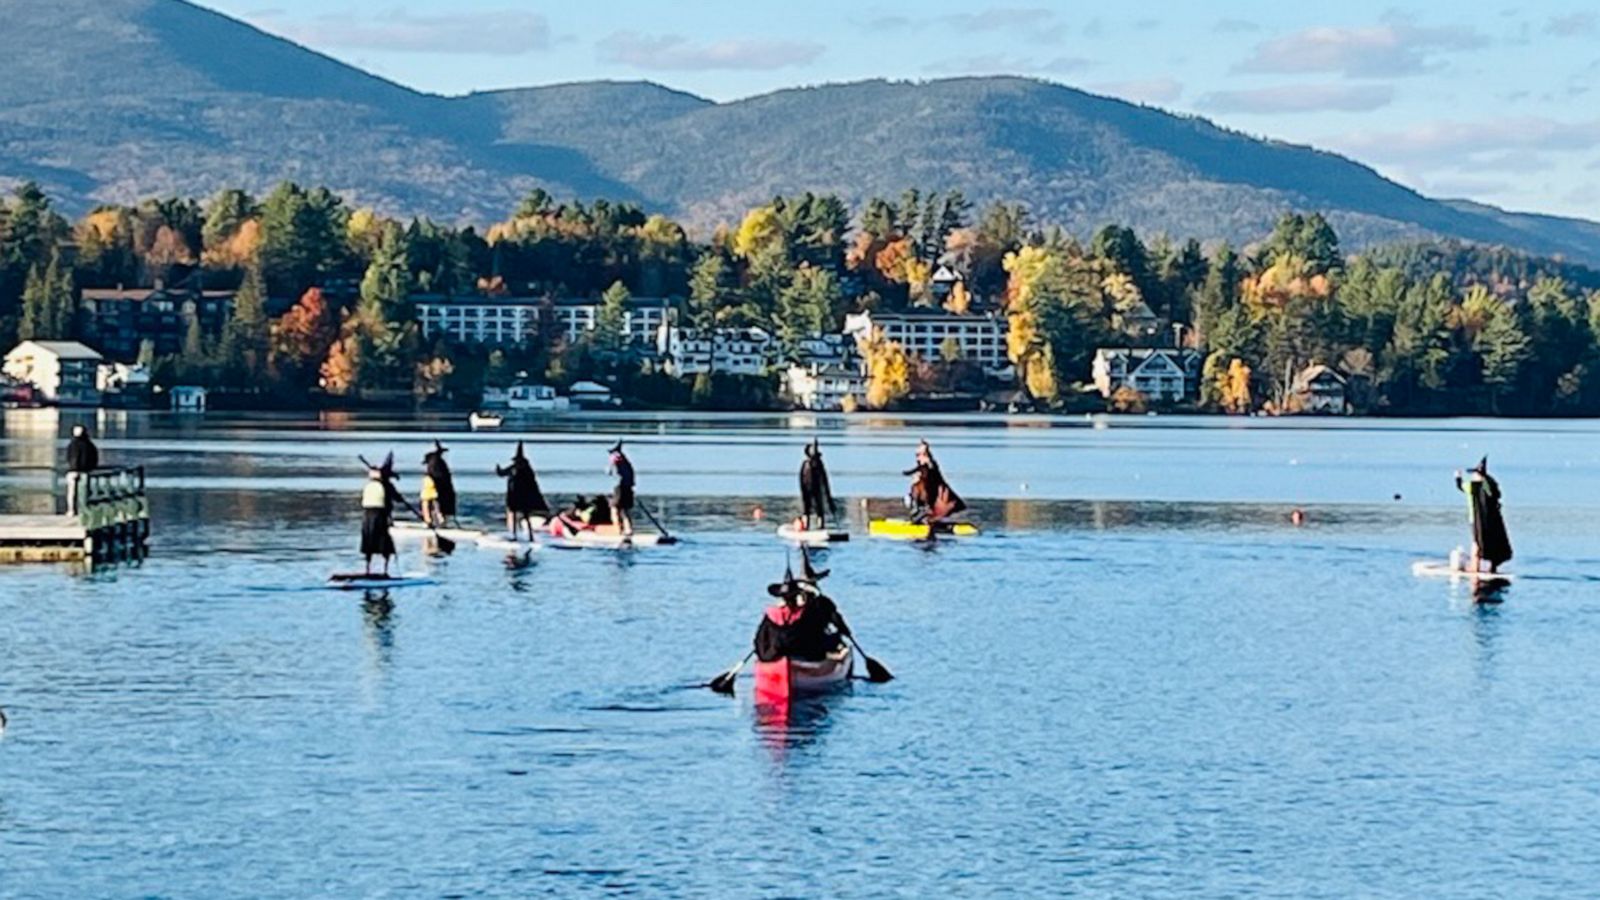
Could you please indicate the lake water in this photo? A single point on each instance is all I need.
(1141, 681)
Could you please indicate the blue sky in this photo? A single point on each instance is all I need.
(1496, 103)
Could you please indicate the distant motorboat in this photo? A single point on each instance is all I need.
(481, 420)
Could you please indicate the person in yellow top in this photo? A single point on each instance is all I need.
(378, 499)
(438, 488)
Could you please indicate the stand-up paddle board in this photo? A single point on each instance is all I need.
(1428, 568)
(506, 542)
(418, 531)
(906, 530)
(361, 581)
(811, 535)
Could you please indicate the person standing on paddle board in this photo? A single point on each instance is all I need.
(816, 494)
(378, 500)
(524, 500)
(622, 497)
(1490, 543)
(931, 497)
(438, 488)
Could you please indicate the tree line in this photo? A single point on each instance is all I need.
(1420, 328)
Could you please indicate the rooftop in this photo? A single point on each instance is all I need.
(61, 349)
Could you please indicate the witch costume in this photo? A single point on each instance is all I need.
(1489, 536)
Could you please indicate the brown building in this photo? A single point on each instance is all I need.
(117, 321)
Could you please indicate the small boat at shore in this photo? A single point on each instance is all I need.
(783, 680)
(907, 530)
(483, 421)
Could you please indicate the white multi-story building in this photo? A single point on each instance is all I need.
(824, 388)
(63, 372)
(1159, 374)
(927, 332)
(726, 351)
(514, 320)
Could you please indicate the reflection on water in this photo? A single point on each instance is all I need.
(1113, 694)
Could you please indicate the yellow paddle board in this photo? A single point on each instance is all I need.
(906, 530)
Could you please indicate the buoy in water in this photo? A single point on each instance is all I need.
(758, 513)
(1298, 517)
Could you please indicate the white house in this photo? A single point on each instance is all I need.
(1159, 374)
(115, 377)
(823, 388)
(63, 372)
(726, 351)
(1320, 389)
(926, 332)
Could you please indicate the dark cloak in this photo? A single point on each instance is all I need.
(443, 482)
(816, 494)
(1488, 523)
(523, 496)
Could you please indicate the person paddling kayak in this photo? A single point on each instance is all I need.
(378, 500)
(816, 494)
(931, 498)
(807, 625)
(524, 500)
(622, 497)
(438, 488)
(1490, 543)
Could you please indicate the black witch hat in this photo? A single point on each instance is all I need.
(617, 447)
(786, 588)
(519, 454)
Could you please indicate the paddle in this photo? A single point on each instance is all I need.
(446, 546)
(723, 684)
(877, 673)
(665, 537)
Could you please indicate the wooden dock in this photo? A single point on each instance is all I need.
(113, 526)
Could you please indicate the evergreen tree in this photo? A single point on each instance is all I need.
(611, 322)
(247, 336)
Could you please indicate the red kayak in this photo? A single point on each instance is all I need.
(782, 680)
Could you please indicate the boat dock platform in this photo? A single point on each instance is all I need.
(113, 526)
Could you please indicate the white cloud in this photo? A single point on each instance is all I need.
(1396, 47)
(678, 53)
(1152, 91)
(1000, 64)
(503, 32)
(1461, 143)
(1300, 98)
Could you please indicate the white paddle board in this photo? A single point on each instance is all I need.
(811, 535)
(1427, 568)
(419, 531)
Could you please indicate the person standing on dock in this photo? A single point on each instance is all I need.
(622, 497)
(524, 500)
(816, 494)
(378, 500)
(83, 457)
(438, 488)
(1490, 543)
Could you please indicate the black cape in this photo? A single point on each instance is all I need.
(816, 494)
(444, 483)
(811, 637)
(1488, 523)
(522, 488)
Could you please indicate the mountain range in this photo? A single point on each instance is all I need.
(119, 100)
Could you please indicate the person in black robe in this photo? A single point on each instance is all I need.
(524, 500)
(808, 626)
(438, 488)
(622, 496)
(931, 498)
(1490, 542)
(378, 500)
(816, 494)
